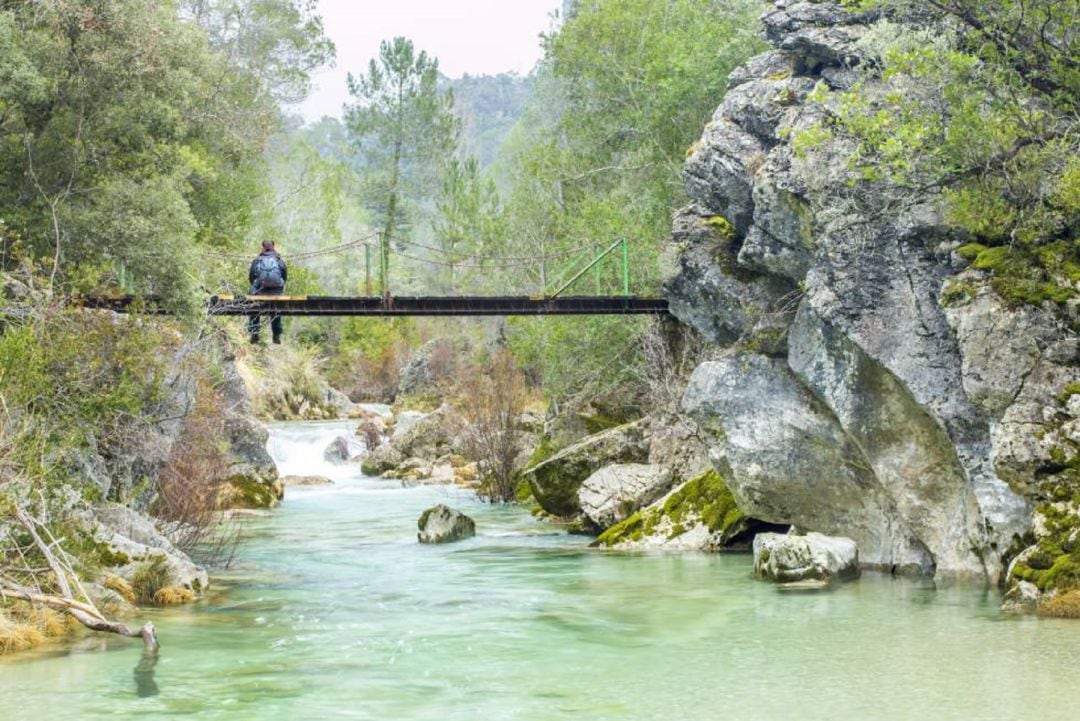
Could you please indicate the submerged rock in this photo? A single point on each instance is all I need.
(306, 481)
(442, 524)
(813, 557)
(555, 481)
(339, 450)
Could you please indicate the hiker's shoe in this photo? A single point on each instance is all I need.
(277, 340)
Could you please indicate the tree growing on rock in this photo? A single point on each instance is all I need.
(977, 101)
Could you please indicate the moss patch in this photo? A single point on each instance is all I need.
(957, 293)
(1063, 605)
(1027, 276)
(722, 226)
(704, 499)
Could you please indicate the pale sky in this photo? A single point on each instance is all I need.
(478, 37)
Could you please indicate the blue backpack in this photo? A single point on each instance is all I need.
(268, 273)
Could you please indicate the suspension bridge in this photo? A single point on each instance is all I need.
(556, 302)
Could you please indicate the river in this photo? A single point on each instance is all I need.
(335, 611)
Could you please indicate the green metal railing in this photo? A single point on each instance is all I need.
(594, 265)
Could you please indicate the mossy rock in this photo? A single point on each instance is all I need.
(247, 491)
(702, 500)
(555, 481)
(1062, 605)
(1027, 276)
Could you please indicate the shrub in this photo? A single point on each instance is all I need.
(150, 577)
(495, 397)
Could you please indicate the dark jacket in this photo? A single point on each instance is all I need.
(252, 274)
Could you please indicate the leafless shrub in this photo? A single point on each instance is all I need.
(494, 397)
(189, 485)
(369, 432)
(672, 351)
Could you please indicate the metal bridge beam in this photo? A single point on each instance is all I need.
(436, 306)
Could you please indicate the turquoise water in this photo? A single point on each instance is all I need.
(335, 611)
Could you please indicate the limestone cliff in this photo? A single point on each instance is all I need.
(862, 396)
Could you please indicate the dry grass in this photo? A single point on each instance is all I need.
(23, 626)
(121, 587)
(1063, 605)
(286, 383)
(173, 596)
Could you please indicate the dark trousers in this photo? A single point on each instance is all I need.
(255, 319)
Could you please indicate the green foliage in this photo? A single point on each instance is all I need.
(80, 379)
(577, 357)
(625, 87)
(980, 99)
(489, 106)
(131, 133)
(150, 577)
(469, 223)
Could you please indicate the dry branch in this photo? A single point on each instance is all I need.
(84, 613)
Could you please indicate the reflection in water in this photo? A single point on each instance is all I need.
(145, 685)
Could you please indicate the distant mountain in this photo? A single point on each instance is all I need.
(489, 106)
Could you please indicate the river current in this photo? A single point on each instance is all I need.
(333, 610)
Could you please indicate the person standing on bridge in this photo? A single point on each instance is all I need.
(267, 275)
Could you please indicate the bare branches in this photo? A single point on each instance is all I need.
(496, 399)
(84, 613)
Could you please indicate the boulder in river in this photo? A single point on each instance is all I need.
(614, 492)
(382, 459)
(442, 524)
(306, 481)
(338, 451)
(813, 557)
(555, 481)
(127, 539)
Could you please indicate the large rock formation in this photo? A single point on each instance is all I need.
(871, 392)
(253, 476)
(555, 481)
(616, 491)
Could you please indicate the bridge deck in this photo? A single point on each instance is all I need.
(437, 306)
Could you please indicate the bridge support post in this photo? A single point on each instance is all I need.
(596, 267)
(367, 270)
(625, 269)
